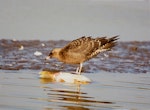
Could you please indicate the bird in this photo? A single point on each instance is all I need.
(82, 49)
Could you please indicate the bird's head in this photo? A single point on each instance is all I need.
(53, 54)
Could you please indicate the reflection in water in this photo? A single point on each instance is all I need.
(74, 96)
(68, 96)
(75, 108)
(46, 80)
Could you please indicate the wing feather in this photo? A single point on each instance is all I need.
(87, 47)
(78, 45)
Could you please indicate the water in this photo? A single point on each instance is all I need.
(121, 79)
(126, 57)
(67, 19)
(23, 90)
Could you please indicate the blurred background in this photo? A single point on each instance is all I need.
(70, 19)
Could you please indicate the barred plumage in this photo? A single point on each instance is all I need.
(83, 49)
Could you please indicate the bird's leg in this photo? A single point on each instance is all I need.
(80, 69)
(77, 70)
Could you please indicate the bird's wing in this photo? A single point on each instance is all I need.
(79, 45)
(105, 44)
(89, 47)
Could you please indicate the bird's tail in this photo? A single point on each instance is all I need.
(111, 43)
(105, 44)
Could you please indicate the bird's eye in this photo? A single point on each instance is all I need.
(50, 54)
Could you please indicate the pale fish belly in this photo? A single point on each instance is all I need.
(65, 77)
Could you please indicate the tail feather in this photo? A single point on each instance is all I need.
(105, 45)
(113, 38)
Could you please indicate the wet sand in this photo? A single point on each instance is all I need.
(23, 90)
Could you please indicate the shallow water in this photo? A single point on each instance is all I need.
(23, 90)
(126, 57)
(118, 79)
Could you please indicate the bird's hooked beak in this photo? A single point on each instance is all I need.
(49, 56)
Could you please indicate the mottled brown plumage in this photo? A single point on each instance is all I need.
(83, 49)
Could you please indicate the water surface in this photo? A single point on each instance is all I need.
(23, 90)
(126, 57)
(121, 78)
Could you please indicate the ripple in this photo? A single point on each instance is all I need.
(126, 57)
